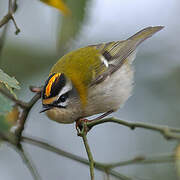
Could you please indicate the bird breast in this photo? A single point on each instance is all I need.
(112, 92)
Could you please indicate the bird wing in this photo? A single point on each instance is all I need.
(114, 54)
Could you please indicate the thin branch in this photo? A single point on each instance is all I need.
(25, 112)
(106, 176)
(16, 26)
(106, 167)
(8, 137)
(117, 175)
(26, 106)
(23, 105)
(167, 132)
(143, 160)
(5, 29)
(2, 40)
(26, 159)
(43, 144)
(26, 109)
(90, 157)
(34, 99)
(20, 103)
(5, 20)
(12, 7)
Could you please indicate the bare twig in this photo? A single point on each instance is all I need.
(16, 26)
(143, 160)
(8, 137)
(167, 132)
(106, 167)
(25, 112)
(26, 106)
(117, 175)
(9, 16)
(26, 159)
(5, 20)
(43, 144)
(90, 157)
(20, 103)
(2, 40)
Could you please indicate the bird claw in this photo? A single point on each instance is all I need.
(81, 126)
(82, 123)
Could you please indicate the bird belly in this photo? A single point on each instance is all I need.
(112, 92)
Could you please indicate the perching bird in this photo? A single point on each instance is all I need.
(92, 80)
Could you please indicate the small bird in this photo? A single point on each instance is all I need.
(92, 80)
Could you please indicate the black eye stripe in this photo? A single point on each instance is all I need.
(62, 98)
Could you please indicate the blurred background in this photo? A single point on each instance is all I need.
(156, 98)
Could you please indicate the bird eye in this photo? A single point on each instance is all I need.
(63, 98)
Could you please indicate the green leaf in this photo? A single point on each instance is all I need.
(5, 105)
(71, 25)
(10, 82)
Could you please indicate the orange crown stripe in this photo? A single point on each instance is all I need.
(49, 101)
(49, 85)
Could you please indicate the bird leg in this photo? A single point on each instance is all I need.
(101, 116)
(81, 123)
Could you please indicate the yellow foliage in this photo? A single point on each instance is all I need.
(12, 116)
(59, 4)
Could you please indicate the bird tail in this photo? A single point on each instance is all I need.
(145, 33)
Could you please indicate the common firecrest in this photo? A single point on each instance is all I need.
(92, 80)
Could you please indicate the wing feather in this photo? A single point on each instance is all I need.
(116, 53)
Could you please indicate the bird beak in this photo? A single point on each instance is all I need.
(48, 107)
(45, 109)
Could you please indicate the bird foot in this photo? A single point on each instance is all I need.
(82, 123)
(81, 126)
